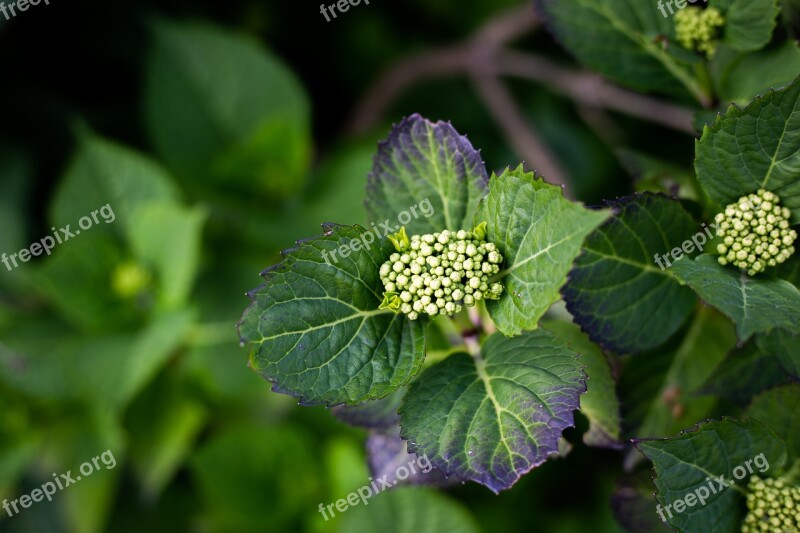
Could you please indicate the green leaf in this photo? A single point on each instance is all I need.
(617, 292)
(783, 345)
(430, 173)
(102, 370)
(624, 41)
(15, 185)
(76, 280)
(407, 509)
(764, 372)
(539, 233)
(73, 440)
(748, 23)
(250, 476)
(104, 172)
(222, 109)
(600, 403)
(661, 386)
(168, 237)
(757, 147)
(741, 77)
(315, 328)
(778, 410)
(494, 417)
(754, 304)
(633, 503)
(343, 459)
(163, 424)
(657, 175)
(692, 460)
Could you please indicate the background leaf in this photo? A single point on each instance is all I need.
(660, 389)
(740, 77)
(168, 237)
(777, 409)
(250, 476)
(600, 403)
(763, 370)
(378, 414)
(221, 109)
(407, 509)
(620, 39)
(748, 23)
(104, 172)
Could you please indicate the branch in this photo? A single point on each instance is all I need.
(593, 90)
(583, 87)
(519, 133)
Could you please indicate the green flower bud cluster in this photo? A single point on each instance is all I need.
(698, 29)
(439, 273)
(755, 232)
(774, 506)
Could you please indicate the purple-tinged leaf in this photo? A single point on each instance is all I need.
(493, 417)
(378, 414)
(429, 172)
(388, 458)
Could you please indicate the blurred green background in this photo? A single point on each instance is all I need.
(219, 133)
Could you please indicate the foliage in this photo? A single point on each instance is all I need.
(599, 330)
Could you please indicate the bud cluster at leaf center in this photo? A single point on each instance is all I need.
(755, 232)
(773, 506)
(439, 273)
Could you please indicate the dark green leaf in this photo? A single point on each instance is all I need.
(763, 370)
(624, 41)
(617, 292)
(692, 460)
(315, 328)
(783, 345)
(757, 147)
(755, 304)
(777, 409)
(748, 23)
(659, 388)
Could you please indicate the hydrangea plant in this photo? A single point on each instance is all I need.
(474, 335)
